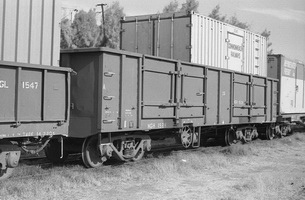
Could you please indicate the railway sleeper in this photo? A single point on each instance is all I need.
(95, 151)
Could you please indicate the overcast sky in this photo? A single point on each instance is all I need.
(284, 18)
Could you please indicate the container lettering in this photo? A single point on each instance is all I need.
(3, 84)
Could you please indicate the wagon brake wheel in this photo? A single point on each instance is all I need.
(90, 153)
(186, 136)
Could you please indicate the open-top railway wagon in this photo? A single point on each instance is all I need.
(121, 102)
(34, 107)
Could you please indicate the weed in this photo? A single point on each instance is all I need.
(238, 150)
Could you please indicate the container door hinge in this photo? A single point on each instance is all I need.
(189, 47)
(189, 25)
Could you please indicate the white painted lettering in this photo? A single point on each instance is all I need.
(3, 84)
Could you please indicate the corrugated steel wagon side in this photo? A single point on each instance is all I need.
(34, 107)
(122, 101)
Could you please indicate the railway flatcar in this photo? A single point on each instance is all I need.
(122, 102)
(291, 75)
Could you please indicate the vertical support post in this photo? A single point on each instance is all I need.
(205, 93)
(44, 82)
(140, 83)
(18, 90)
(121, 118)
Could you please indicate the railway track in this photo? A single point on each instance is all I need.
(46, 168)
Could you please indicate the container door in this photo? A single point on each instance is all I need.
(212, 97)
(111, 92)
(235, 53)
(299, 88)
(192, 91)
(159, 89)
(288, 86)
(137, 37)
(241, 96)
(225, 98)
(172, 38)
(258, 98)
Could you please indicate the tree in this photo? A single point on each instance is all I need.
(171, 7)
(85, 29)
(190, 5)
(235, 22)
(113, 15)
(215, 14)
(66, 35)
(267, 34)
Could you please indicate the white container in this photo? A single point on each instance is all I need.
(195, 38)
(30, 31)
(291, 74)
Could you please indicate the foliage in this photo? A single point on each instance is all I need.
(66, 34)
(267, 34)
(171, 7)
(85, 29)
(235, 22)
(189, 5)
(113, 15)
(215, 14)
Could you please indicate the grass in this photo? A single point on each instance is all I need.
(218, 172)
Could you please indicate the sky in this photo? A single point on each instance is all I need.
(284, 18)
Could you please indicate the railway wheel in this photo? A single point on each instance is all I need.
(6, 173)
(53, 152)
(90, 153)
(139, 155)
(9, 158)
(270, 132)
(229, 137)
(186, 136)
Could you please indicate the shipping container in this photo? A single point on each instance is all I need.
(34, 100)
(124, 91)
(30, 31)
(291, 74)
(195, 38)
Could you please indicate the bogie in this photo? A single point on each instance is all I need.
(96, 151)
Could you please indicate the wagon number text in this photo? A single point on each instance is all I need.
(30, 85)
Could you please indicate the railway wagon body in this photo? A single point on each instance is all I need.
(34, 107)
(120, 99)
(195, 38)
(291, 75)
